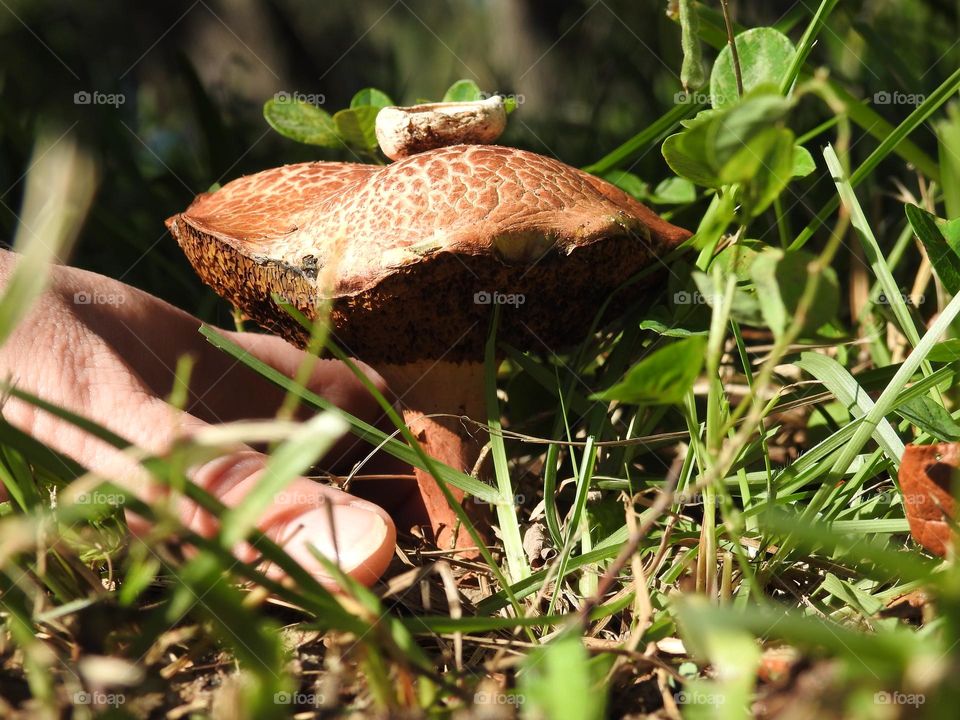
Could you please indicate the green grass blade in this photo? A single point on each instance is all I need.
(517, 566)
(286, 463)
(806, 44)
(60, 185)
(887, 400)
(551, 515)
(840, 382)
(584, 479)
(874, 254)
(645, 139)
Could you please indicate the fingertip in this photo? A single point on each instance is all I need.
(358, 536)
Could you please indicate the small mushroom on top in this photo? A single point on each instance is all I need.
(412, 258)
(405, 131)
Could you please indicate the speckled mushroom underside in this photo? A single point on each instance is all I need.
(403, 250)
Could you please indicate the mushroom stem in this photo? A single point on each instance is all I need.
(425, 389)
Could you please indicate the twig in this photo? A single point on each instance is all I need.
(733, 46)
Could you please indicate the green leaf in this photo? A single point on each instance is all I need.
(866, 604)
(731, 130)
(671, 191)
(371, 97)
(947, 351)
(701, 118)
(463, 91)
(745, 307)
(301, 121)
(661, 378)
(674, 191)
(686, 151)
(765, 58)
(739, 258)
(629, 183)
(931, 418)
(357, 127)
(763, 166)
(736, 259)
(943, 257)
(712, 139)
(686, 154)
(948, 136)
(803, 163)
(951, 231)
(780, 278)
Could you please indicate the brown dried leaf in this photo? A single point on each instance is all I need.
(926, 479)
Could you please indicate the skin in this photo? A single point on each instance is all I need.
(113, 362)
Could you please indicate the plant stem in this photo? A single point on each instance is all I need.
(735, 56)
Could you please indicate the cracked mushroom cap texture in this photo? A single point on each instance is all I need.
(413, 255)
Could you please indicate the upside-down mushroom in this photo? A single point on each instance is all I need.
(417, 253)
(405, 131)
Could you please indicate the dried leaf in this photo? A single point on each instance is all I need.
(926, 478)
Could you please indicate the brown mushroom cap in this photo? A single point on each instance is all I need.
(403, 250)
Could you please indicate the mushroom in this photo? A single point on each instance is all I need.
(405, 131)
(418, 253)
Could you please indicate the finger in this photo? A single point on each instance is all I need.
(333, 381)
(152, 335)
(89, 380)
(394, 487)
(357, 535)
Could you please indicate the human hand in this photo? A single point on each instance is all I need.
(113, 362)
